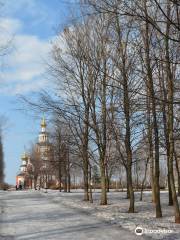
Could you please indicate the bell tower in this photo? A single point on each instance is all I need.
(43, 125)
(24, 159)
(21, 178)
(43, 136)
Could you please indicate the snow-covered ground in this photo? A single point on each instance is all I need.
(34, 215)
(116, 212)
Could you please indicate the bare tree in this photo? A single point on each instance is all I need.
(36, 161)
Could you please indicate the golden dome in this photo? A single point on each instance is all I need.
(24, 156)
(43, 122)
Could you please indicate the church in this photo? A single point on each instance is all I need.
(27, 176)
(23, 178)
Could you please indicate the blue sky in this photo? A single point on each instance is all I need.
(30, 26)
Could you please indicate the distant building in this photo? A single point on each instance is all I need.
(23, 178)
(44, 149)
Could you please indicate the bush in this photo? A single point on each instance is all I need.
(4, 186)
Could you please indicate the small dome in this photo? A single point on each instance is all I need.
(43, 122)
(24, 156)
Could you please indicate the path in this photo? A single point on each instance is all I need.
(31, 215)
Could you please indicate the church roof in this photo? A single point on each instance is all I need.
(20, 174)
(23, 165)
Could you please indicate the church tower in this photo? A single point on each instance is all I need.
(43, 136)
(46, 154)
(24, 159)
(21, 178)
(43, 145)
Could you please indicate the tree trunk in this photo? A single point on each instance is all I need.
(65, 184)
(90, 186)
(86, 185)
(144, 179)
(85, 169)
(35, 182)
(127, 186)
(128, 142)
(170, 84)
(107, 179)
(68, 173)
(85, 141)
(65, 177)
(69, 182)
(151, 157)
(165, 123)
(60, 175)
(103, 181)
(151, 94)
(103, 138)
(178, 172)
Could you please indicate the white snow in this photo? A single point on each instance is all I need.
(31, 215)
(116, 211)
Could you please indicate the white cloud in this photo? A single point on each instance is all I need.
(8, 28)
(23, 88)
(9, 25)
(29, 49)
(37, 10)
(25, 65)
